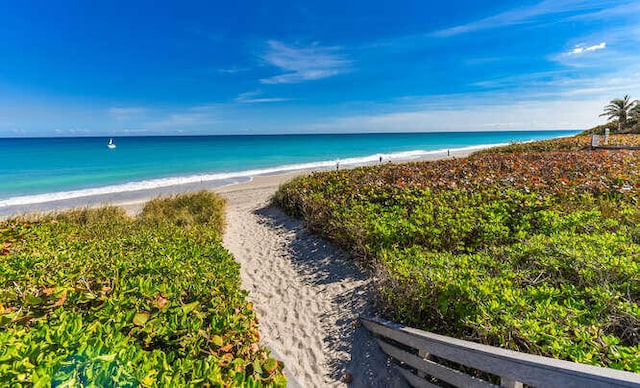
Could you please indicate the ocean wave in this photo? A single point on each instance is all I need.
(227, 176)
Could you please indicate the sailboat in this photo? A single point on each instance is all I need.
(111, 144)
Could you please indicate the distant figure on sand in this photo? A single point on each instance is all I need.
(380, 158)
(337, 164)
(448, 153)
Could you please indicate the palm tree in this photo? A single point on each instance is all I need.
(620, 109)
(635, 112)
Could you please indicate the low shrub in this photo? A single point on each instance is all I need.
(575, 143)
(94, 298)
(532, 251)
(199, 208)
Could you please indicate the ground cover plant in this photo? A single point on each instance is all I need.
(575, 143)
(535, 251)
(95, 298)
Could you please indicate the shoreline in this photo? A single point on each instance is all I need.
(133, 201)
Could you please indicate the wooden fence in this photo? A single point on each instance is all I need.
(412, 348)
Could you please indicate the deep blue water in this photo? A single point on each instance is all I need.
(34, 170)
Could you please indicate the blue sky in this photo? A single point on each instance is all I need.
(114, 68)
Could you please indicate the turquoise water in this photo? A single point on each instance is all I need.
(45, 169)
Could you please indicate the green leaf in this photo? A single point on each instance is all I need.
(257, 367)
(32, 300)
(108, 357)
(7, 295)
(5, 319)
(217, 340)
(189, 307)
(140, 318)
(280, 381)
(270, 365)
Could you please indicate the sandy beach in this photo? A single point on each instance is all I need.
(133, 201)
(307, 294)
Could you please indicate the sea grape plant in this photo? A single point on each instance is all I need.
(533, 247)
(95, 298)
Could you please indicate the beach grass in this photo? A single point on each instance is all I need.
(533, 247)
(93, 297)
(185, 210)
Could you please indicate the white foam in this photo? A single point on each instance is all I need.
(182, 180)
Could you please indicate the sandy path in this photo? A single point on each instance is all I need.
(307, 295)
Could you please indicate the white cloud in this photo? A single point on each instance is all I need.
(586, 82)
(524, 115)
(255, 97)
(579, 49)
(303, 63)
(523, 15)
(617, 11)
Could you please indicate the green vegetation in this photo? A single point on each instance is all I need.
(575, 143)
(625, 116)
(533, 248)
(622, 109)
(95, 298)
(201, 208)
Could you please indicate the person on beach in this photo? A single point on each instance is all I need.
(380, 158)
(337, 165)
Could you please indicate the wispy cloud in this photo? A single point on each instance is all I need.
(519, 81)
(524, 15)
(256, 97)
(303, 63)
(192, 117)
(568, 83)
(523, 115)
(121, 114)
(617, 11)
(73, 131)
(581, 49)
(233, 70)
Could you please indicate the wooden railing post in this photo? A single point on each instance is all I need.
(425, 356)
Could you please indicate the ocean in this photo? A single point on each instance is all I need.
(42, 170)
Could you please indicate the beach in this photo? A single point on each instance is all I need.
(133, 200)
(58, 173)
(307, 294)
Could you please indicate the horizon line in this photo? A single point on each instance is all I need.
(289, 134)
